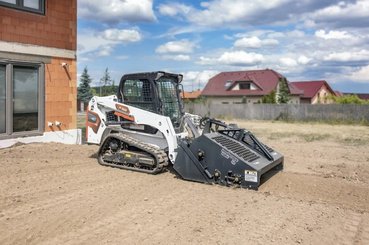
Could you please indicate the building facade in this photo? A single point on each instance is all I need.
(315, 92)
(246, 87)
(38, 77)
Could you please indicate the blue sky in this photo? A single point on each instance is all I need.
(303, 40)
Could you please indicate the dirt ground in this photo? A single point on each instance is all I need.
(58, 194)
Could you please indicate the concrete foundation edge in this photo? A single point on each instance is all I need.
(71, 137)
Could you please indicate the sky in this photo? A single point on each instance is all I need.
(302, 40)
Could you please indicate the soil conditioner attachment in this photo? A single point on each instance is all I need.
(144, 128)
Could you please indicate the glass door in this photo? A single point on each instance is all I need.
(2, 99)
(25, 98)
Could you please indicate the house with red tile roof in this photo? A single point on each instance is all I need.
(249, 87)
(315, 92)
(191, 96)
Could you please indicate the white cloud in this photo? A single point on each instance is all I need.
(254, 42)
(361, 74)
(103, 43)
(240, 58)
(122, 35)
(180, 47)
(303, 60)
(179, 57)
(233, 58)
(222, 12)
(105, 50)
(333, 34)
(289, 62)
(173, 9)
(358, 8)
(341, 14)
(196, 79)
(362, 55)
(116, 11)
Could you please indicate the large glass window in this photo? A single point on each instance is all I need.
(37, 6)
(21, 99)
(34, 4)
(2, 99)
(25, 99)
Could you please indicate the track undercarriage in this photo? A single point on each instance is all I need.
(122, 151)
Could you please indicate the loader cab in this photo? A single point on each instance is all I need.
(158, 92)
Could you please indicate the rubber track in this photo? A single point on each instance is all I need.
(159, 155)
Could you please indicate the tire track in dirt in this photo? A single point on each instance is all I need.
(63, 203)
(361, 223)
(121, 218)
(317, 189)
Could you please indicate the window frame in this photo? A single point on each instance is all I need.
(9, 108)
(19, 5)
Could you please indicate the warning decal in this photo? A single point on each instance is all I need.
(251, 176)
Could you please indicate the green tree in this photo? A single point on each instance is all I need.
(269, 99)
(84, 90)
(106, 83)
(284, 92)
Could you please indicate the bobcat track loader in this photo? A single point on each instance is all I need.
(144, 128)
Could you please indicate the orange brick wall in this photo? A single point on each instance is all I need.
(61, 94)
(57, 28)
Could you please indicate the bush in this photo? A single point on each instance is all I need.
(349, 99)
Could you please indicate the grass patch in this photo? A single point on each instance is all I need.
(354, 141)
(315, 137)
(306, 137)
(362, 122)
(279, 135)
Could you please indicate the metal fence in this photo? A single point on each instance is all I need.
(300, 112)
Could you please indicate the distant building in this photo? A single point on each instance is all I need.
(38, 76)
(315, 92)
(246, 87)
(191, 96)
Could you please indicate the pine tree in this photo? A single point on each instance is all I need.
(284, 92)
(106, 82)
(84, 89)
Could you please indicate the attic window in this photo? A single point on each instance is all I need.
(245, 85)
(228, 83)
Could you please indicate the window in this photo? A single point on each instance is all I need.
(2, 99)
(21, 99)
(169, 98)
(25, 99)
(228, 84)
(245, 85)
(36, 6)
(138, 93)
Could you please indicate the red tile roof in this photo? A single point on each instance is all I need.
(266, 81)
(311, 88)
(191, 95)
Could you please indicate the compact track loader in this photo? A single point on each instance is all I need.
(144, 128)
